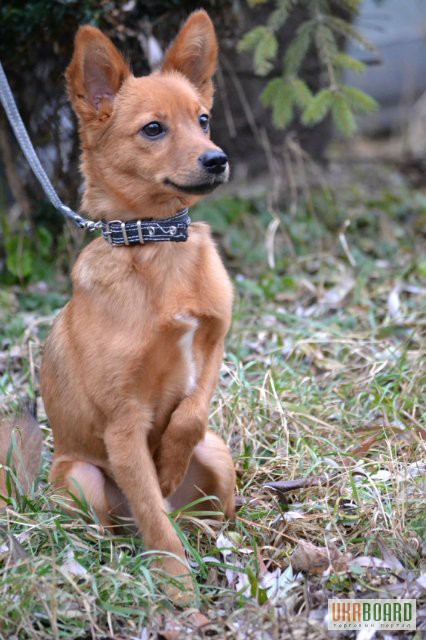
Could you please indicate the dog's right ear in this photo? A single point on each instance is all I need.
(194, 54)
(95, 74)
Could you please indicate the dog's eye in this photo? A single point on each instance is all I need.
(204, 121)
(153, 130)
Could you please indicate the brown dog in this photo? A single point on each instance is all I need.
(132, 362)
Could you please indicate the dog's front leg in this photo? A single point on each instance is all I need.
(134, 471)
(188, 423)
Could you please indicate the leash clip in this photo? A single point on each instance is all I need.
(82, 223)
(92, 226)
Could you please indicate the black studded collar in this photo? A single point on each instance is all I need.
(174, 229)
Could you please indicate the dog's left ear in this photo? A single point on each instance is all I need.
(194, 54)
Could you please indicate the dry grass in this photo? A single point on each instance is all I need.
(323, 383)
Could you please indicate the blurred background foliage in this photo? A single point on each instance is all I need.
(319, 34)
(36, 39)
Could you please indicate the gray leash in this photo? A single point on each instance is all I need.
(27, 148)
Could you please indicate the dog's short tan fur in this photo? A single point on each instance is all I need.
(132, 362)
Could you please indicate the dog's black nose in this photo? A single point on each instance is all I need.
(214, 161)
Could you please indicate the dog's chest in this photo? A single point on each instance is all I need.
(186, 346)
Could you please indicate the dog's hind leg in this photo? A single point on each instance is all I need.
(88, 483)
(210, 473)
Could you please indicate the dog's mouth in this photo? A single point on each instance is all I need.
(194, 189)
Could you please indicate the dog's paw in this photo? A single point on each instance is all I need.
(186, 428)
(177, 583)
(169, 480)
(172, 464)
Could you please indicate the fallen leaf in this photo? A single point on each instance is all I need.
(394, 303)
(278, 584)
(242, 586)
(389, 557)
(369, 562)
(13, 545)
(71, 567)
(365, 446)
(198, 619)
(421, 582)
(315, 560)
(284, 486)
(382, 475)
(417, 469)
(229, 551)
(335, 296)
(18, 538)
(290, 516)
(406, 589)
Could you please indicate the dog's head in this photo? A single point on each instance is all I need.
(146, 141)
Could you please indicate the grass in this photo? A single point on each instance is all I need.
(324, 378)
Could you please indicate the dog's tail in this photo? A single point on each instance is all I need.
(20, 452)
